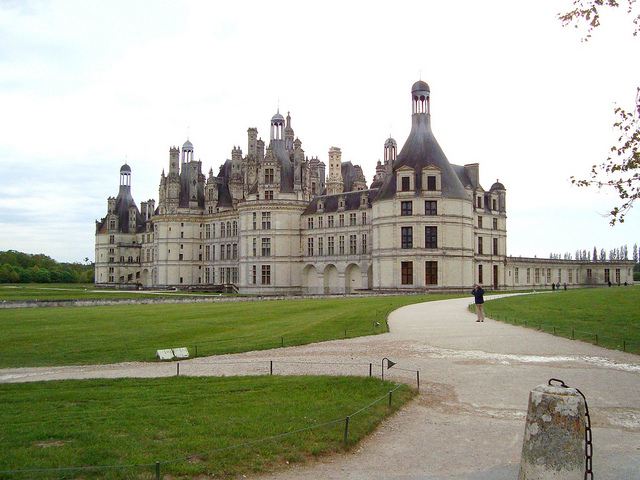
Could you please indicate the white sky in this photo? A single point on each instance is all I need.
(85, 85)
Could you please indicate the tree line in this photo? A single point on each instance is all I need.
(19, 267)
(595, 255)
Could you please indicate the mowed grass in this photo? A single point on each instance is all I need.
(75, 335)
(183, 421)
(613, 314)
(75, 291)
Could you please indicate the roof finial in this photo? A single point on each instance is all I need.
(188, 131)
(420, 74)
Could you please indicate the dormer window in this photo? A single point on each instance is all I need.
(431, 183)
(494, 204)
(268, 175)
(405, 184)
(320, 206)
(341, 203)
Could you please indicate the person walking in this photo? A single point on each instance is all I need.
(478, 293)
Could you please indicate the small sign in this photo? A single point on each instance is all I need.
(166, 354)
(181, 353)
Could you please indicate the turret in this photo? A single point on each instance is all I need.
(288, 134)
(111, 205)
(260, 149)
(390, 153)
(334, 182)
(252, 143)
(174, 161)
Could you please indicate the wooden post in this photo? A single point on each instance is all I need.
(178, 369)
(157, 470)
(346, 430)
(270, 367)
(370, 369)
(418, 379)
(390, 393)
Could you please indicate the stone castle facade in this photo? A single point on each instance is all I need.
(275, 221)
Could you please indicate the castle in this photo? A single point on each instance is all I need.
(274, 221)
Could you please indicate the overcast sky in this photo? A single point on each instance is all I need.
(86, 85)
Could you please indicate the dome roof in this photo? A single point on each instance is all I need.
(277, 117)
(187, 145)
(420, 86)
(390, 142)
(125, 168)
(497, 186)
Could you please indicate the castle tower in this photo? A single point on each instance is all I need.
(390, 153)
(125, 176)
(187, 152)
(235, 182)
(174, 161)
(252, 142)
(288, 134)
(420, 94)
(334, 182)
(277, 127)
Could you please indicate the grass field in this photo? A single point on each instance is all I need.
(75, 335)
(75, 291)
(607, 316)
(182, 421)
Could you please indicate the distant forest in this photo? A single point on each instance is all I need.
(18, 267)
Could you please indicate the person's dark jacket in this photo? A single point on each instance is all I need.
(479, 294)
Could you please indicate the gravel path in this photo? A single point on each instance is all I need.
(468, 421)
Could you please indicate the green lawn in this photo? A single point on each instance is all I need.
(79, 335)
(183, 421)
(607, 316)
(75, 291)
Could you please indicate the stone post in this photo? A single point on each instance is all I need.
(554, 436)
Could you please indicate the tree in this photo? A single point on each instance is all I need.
(621, 170)
(635, 252)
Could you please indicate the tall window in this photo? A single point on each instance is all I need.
(559, 275)
(268, 175)
(430, 237)
(266, 220)
(320, 222)
(352, 219)
(607, 275)
(364, 218)
(254, 274)
(341, 245)
(431, 273)
(516, 275)
(528, 275)
(570, 276)
(341, 220)
(112, 239)
(548, 275)
(235, 251)
(310, 247)
(406, 209)
(495, 223)
(431, 183)
(207, 253)
(479, 202)
(266, 274)
(254, 249)
(494, 204)
(235, 228)
(495, 246)
(255, 222)
(310, 223)
(223, 231)
(229, 251)
(406, 269)
(207, 232)
(479, 222)
(353, 245)
(479, 273)
(320, 246)
(430, 207)
(364, 243)
(406, 237)
(330, 249)
(589, 274)
(266, 247)
(330, 221)
(480, 250)
(406, 184)
(536, 275)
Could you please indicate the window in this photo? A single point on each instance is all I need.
(254, 274)
(229, 229)
(516, 275)
(431, 273)
(364, 243)
(268, 175)
(229, 251)
(223, 230)
(207, 232)
(268, 194)
(559, 275)
(480, 274)
(221, 252)
(234, 275)
(310, 223)
(235, 228)
(548, 275)
(431, 183)
(406, 209)
(341, 245)
(254, 249)
(181, 234)
(180, 257)
(494, 205)
(480, 249)
(406, 237)
(112, 239)
(330, 250)
(112, 225)
(570, 275)
(352, 219)
(330, 221)
(479, 222)
(255, 215)
(353, 245)
(406, 273)
(266, 247)
(213, 255)
(589, 274)
(618, 276)
(430, 207)
(495, 246)
(266, 274)
(207, 276)
(536, 275)
(430, 237)
(320, 246)
(495, 223)
(341, 220)
(528, 275)
(364, 218)
(405, 184)
(320, 222)
(310, 247)
(221, 271)
(266, 220)
(607, 275)
(207, 253)
(235, 251)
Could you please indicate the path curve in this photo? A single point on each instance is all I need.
(468, 421)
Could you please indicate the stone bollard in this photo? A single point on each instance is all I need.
(554, 435)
